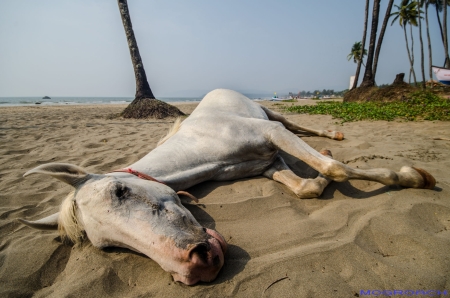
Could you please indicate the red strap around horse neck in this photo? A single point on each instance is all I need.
(138, 174)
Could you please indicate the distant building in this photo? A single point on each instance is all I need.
(352, 80)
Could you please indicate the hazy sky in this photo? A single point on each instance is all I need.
(189, 47)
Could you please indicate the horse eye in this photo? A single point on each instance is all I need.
(122, 191)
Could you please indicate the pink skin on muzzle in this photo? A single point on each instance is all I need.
(204, 267)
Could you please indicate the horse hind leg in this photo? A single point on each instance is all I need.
(303, 188)
(295, 128)
(284, 140)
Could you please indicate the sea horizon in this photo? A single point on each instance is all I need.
(6, 101)
(79, 100)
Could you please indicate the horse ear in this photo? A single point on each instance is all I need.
(67, 173)
(46, 223)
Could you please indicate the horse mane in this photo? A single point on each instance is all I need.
(70, 228)
(173, 130)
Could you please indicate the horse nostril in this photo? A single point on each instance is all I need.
(216, 261)
(200, 251)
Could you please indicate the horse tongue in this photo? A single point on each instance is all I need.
(219, 238)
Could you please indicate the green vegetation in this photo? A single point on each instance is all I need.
(420, 105)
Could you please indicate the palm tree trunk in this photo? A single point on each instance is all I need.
(430, 56)
(412, 56)
(407, 50)
(439, 21)
(363, 42)
(142, 87)
(447, 60)
(422, 58)
(380, 38)
(369, 80)
(144, 104)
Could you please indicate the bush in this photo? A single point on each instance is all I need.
(420, 105)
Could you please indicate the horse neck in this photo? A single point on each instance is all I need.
(173, 164)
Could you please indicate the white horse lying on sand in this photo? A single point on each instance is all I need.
(227, 137)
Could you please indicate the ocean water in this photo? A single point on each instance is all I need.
(55, 100)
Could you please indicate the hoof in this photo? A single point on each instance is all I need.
(326, 152)
(428, 180)
(339, 136)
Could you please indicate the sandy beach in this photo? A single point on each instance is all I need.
(357, 236)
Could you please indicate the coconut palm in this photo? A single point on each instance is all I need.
(362, 45)
(144, 104)
(422, 58)
(441, 5)
(369, 79)
(426, 4)
(408, 13)
(387, 15)
(438, 5)
(447, 58)
(356, 53)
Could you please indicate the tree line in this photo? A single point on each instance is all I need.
(409, 14)
(318, 93)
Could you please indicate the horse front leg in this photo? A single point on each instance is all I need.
(303, 188)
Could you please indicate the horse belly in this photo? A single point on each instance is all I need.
(244, 169)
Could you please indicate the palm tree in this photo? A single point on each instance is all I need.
(426, 3)
(356, 53)
(369, 79)
(381, 37)
(447, 59)
(441, 5)
(438, 4)
(422, 58)
(363, 44)
(144, 104)
(407, 13)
